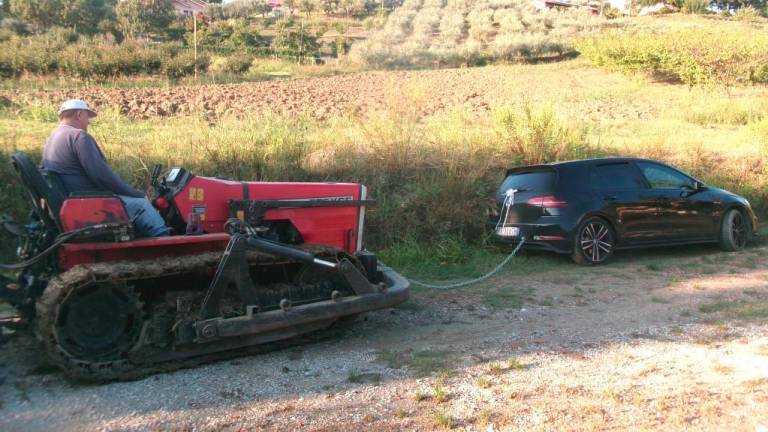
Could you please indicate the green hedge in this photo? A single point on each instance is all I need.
(728, 56)
(94, 58)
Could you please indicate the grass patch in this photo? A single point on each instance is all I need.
(507, 298)
(483, 382)
(420, 396)
(484, 418)
(655, 267)
(442, 419)
(420, 363)
(392, 359)
(401, 413)
(426, 363)
(356, 377)
(738, 309)
(660, 300)
(512, 364)
(440, 395)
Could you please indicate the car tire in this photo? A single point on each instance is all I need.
(593, 242)
(734, 231)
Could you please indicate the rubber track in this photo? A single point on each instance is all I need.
(61, 286)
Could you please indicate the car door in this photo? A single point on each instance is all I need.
(621, 188)
(684, 212)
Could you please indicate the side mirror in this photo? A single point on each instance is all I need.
(688, 190)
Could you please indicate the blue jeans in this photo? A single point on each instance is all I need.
(149, 223)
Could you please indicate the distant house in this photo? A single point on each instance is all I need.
(190, 7)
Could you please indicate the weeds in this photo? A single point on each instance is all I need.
(483, 382)
(442, 419)
(420, 396)
(512, 364)
(440, 395)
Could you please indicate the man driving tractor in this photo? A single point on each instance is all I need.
(73, 154)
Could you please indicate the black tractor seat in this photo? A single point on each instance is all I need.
(46, 201)
(46, 190)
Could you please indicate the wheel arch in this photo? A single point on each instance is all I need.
(598, 214)
(735, 205)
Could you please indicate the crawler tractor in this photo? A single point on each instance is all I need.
(246, 264)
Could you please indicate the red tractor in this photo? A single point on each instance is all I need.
(248, 263)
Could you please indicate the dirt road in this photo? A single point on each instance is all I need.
(667, 339)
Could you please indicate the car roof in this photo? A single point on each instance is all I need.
(583, 162)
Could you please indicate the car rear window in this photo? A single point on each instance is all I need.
(529, 181)
(615, 176)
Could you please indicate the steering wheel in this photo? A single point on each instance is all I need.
(158, 182)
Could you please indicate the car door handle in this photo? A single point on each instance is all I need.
(610, 198)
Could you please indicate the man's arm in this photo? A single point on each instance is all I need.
(97, 169)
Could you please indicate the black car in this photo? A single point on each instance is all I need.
(590, 208)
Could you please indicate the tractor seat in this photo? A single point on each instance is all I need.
(46, 201)
(46, 191)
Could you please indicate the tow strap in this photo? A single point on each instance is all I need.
(471, 281)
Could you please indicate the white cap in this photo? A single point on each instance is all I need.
(76, 104)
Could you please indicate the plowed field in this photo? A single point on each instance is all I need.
(429, 91)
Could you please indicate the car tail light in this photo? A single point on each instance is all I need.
(547, 201)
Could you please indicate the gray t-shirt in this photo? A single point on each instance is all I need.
(74, 155)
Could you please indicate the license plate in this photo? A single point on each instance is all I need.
(508, 231)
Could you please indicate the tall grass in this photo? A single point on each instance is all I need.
(430, 177)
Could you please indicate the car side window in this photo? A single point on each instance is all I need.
(661, 177)
(615, 176)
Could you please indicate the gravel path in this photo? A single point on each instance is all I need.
(646, 343)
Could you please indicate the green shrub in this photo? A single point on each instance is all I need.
(698, 7)
(727, 57)
(760, 74)
(748, 13)
(536, 136)
(183, 64)
(237, 64)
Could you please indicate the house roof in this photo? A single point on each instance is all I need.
(190, 3)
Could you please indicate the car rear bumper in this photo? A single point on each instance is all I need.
(549, 236)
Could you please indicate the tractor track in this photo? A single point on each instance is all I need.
(139, 364)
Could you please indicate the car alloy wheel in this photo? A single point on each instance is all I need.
(595, 241)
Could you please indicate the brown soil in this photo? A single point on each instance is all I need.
(429, 91)
(649, 341)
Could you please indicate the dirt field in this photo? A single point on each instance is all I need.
(665, 339)
(435, 91)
